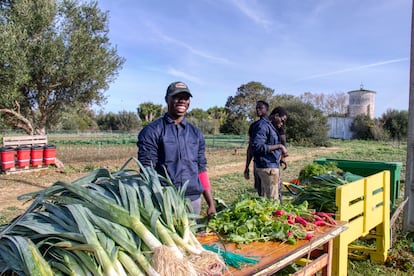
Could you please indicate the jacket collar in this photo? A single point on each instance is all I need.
(169, 120)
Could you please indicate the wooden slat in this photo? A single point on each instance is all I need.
(375, 212)
(314, 266)
(29, 140)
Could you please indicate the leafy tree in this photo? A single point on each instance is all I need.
(306, 124)
(395, 122)
(148, 111)
(198, 114)
(79, 119)
(365, 128)
(244, 102)
(235, 124)
(241, 108)
(128, 121)
(108, 121)
(124, 120)
(280, 100)
(200, 118)
(55, 55)
(4, 124)
(217, 115)
(205, 125)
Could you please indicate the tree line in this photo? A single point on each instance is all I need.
(307, 124)
(57, 61)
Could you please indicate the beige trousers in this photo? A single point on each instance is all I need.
(269, 178)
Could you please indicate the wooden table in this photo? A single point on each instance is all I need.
(274, 256)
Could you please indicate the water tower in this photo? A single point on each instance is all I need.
(361, 102)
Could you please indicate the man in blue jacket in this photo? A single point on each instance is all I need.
(262, 109)
(267, 150)
(174, 146)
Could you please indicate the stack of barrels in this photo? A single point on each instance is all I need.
(25, 157)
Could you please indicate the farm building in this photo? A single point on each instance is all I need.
(340, 127)
(360, 101)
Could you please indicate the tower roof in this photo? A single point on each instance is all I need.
(361, 90)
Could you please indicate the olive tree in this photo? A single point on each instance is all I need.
(395, 122)
(365, 128)
(56, 55)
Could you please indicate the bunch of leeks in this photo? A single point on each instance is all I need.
(123, 223)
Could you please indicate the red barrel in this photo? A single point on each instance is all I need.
(49, 154)
(7, 157)
(36, 156)
(23, 156)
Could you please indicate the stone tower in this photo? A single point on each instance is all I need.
(361, 102)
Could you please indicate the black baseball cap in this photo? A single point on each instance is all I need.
(176, 88)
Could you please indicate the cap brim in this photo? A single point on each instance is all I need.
(178, 91)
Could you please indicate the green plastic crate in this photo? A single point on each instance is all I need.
(367, 168)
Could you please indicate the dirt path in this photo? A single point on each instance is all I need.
(14, 185)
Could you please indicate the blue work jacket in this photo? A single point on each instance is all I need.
(264, 134)
(178, 149)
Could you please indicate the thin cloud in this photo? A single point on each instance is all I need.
(182, 75)
(196, 52)
(252, 13)
(354, 69)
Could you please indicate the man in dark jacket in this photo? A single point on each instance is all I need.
(174, 146)
(262, 109)
(267, 150)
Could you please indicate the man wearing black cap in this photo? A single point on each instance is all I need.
(174, 146)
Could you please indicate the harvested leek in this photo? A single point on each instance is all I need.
(109, 224)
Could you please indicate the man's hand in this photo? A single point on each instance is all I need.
(284, 151)
(246, 174)
(211, 210)
(283, 163)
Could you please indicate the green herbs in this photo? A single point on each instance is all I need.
(250, 219)
(320, 192)
(314, 168)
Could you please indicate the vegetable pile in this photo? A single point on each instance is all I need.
(250, 219)
(314, 169)
(320, 192)
(318, 185)
(123, 223)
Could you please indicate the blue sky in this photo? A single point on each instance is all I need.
(291, 46)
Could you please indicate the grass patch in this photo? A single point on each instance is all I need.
(231, 186)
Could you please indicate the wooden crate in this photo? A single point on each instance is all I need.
(27, 140)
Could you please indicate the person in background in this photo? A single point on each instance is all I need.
(176, 148)
(277, 122)
(280, 112)
(262, 109)
(267, 151)
(278, 117)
